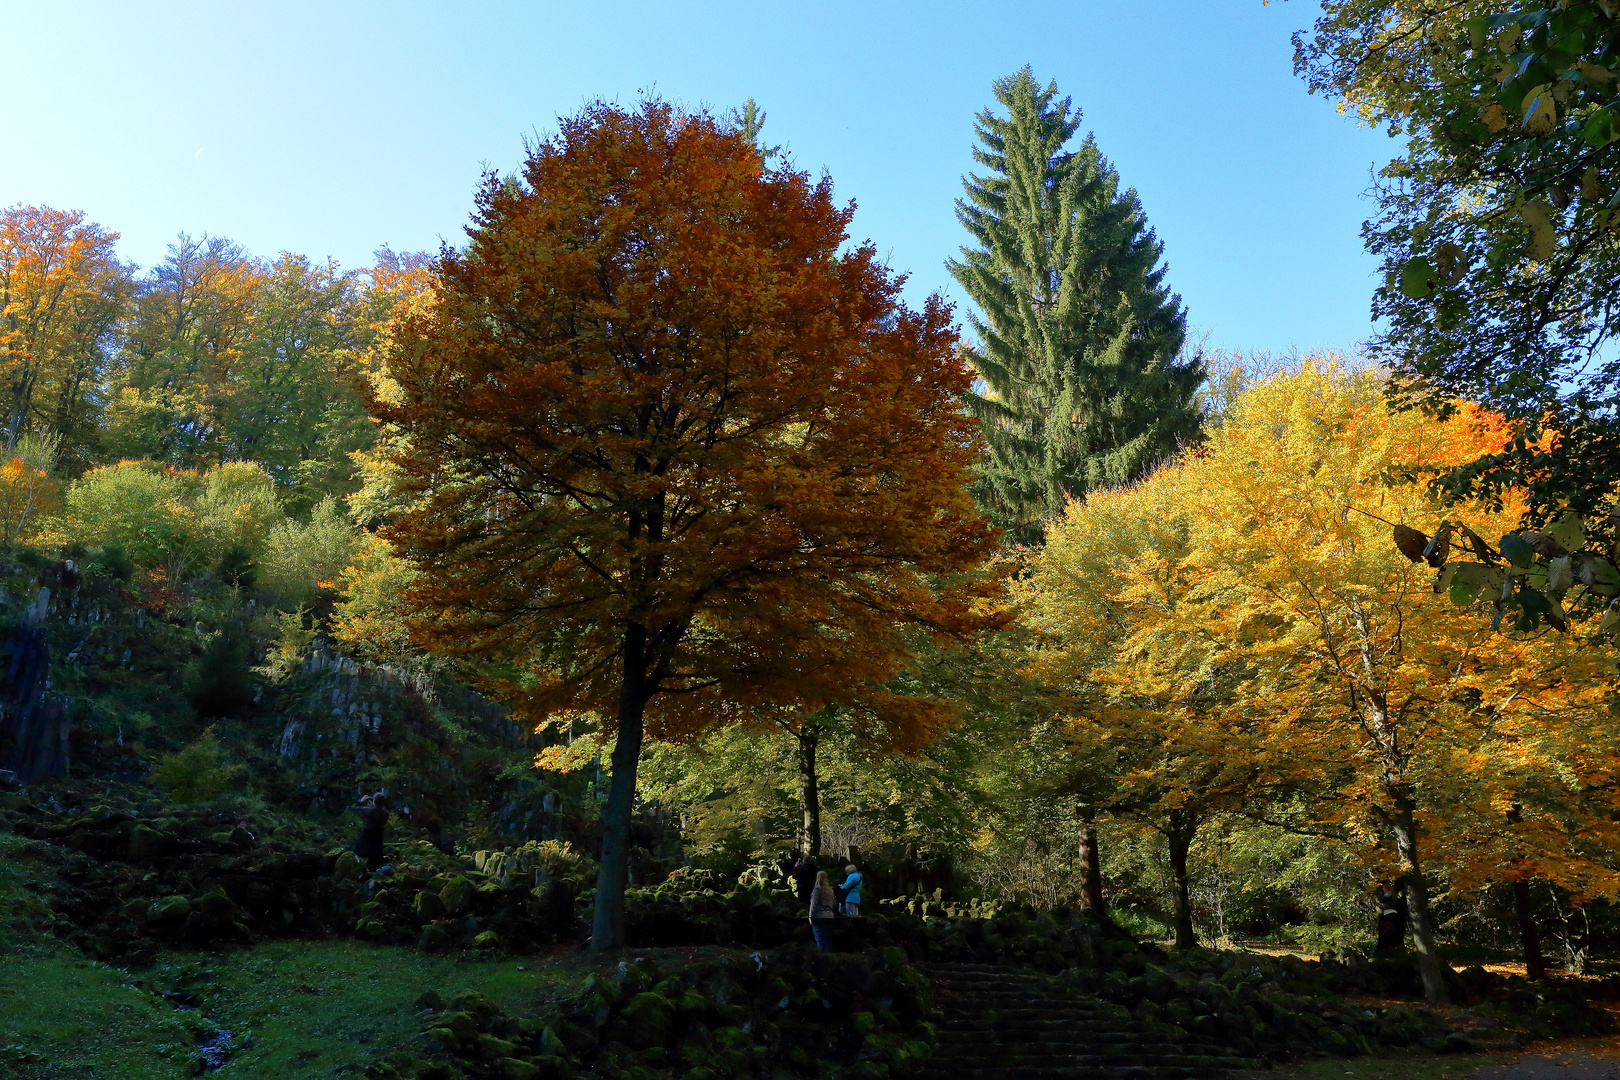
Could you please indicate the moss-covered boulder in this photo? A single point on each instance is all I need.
(650, 1020)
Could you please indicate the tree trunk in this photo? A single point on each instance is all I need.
(1180, 832)
(809, 791)
(1091, 897)
(1417, 899)
(607, 928)
(1534, 966)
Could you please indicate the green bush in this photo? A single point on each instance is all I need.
(141, 507)
(300, 557)
(197, 773)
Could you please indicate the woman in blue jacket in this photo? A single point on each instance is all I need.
(852, 891)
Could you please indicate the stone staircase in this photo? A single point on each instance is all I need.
(1016, 1025)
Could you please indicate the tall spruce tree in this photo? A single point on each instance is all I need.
(1080, 355)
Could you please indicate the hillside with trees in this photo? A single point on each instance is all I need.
(645, 541)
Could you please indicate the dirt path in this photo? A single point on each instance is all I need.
(1577, 1065)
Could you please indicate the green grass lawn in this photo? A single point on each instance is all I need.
(62, 1015)
(304, 1009)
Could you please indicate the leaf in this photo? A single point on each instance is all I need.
(1568, 533)
(1494, 117)
(1411, 542)
(1560, 576)
(1599, 128)
(1543, 237)
(1482, 551)
(1544, 544)
(1436, 550)
(1516, 550)
(1611, 618)
(1597, 574)
(1600, 75)
(1451, 263)
(1417, 278)
(1538, 604)
(1471, 579)
(1591, 185)
(1540, 111)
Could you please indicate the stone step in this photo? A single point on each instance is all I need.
(1010, 1025)
(1116, 1072)
(1090, 1061)
(1122, 1042)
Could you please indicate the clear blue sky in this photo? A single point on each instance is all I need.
(333, 128)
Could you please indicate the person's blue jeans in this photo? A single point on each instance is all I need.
(823, 929)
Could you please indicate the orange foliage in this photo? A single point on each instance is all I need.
(665, 443)
(25, 492)
(61, 287)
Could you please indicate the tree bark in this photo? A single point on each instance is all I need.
(607, 927)
(1417, 898)
(1180, 831)
(1091, 897)
(809, 791)
(1534, 966)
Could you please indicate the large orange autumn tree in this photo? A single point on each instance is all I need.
(669, 449)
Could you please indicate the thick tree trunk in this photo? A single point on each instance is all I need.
(1417, 899)
(1091, 897)
(607, 928)
(1182, 828)
(1534, 966)
(809, 792)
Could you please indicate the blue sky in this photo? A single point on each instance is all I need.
(331, 129)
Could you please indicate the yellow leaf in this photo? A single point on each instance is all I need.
(1540, 112)
(1543, 237)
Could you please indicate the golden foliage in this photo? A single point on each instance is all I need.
(1246, 609)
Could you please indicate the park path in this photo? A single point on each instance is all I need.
(1575, 1065)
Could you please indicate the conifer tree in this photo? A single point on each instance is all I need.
(1080, 342)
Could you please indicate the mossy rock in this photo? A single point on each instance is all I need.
(511, 1068)
(168, 911)
(495, 1047)
(433, 939)
(458, 895)
(429, 906)
(651, 1020)
(348, 867)
(487, 939)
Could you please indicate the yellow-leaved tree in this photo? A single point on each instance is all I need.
(1272, 624)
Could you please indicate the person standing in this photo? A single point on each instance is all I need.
(852, 891)
(373, 821)
(823, 910)
(804, 877)
(1391, 920)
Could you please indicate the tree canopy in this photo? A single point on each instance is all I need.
(668, 448)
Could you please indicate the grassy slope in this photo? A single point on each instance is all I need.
(313, 1007)
(310, 1008)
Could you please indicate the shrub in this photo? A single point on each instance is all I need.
(237, 509)
(140, 507)
(300, 558)
(197, 773)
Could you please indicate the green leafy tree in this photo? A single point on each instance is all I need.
(1080, 342)
(288, 397)
(1497, 227)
